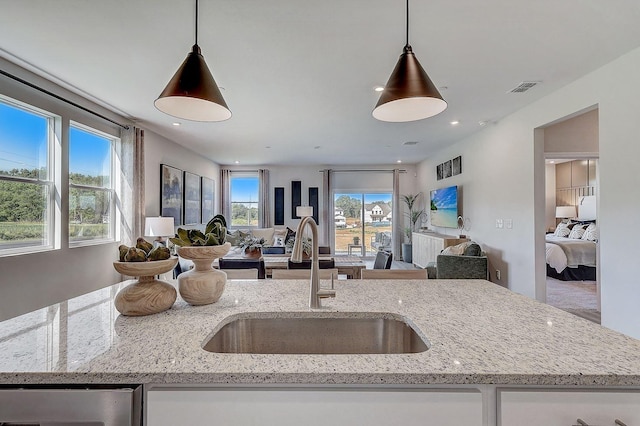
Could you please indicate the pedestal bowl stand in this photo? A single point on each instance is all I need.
(147, 295)
(203, 284)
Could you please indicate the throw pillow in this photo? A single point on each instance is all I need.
(562, 230)
(456, 250)
(591, 233)
(278, 241)
(291, 235)
(266, 233)
(472, 249)
(233, 237)
(577, 232)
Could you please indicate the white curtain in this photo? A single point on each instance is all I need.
(396, 235)
(130, 202)
(328, 213)
(264, 220)
(225, 194)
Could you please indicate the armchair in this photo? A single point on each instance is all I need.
(463, 261)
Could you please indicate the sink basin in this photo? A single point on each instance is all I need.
(317, 333)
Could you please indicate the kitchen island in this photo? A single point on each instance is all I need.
(481, 337)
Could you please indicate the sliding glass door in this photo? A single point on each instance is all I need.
(362, 223)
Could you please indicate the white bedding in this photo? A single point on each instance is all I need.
(564, 252)
(556, 257)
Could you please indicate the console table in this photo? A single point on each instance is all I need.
(427, 246)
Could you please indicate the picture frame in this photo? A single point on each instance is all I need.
(192, 199)
(456, 166)
(446, 172)
(171, 192)
(439, 170)
(208, 199)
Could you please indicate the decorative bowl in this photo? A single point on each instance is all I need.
(145, 269)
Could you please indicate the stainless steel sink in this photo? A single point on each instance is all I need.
(317, 333)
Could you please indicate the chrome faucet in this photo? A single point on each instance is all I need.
(296, 256)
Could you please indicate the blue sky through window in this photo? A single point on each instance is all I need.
(23, 139)
(244, 189)
(23, 144)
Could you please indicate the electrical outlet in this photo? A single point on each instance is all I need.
(498, 274)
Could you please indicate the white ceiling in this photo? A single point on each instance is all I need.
(299, 75)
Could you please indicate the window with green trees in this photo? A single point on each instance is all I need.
(244, 198)
(26, 182)
(90, 184)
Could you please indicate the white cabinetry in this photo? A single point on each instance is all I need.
(313, 406)
(427, 246)
(535, 408)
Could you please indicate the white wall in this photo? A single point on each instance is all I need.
(503, 172)
(33, 281)
(160, 150)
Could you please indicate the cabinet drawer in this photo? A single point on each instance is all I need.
(313, 407)
(563, 408)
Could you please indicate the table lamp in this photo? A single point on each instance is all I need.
(159, 227)
(564, 212)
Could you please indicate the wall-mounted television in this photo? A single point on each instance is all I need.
(444, 207)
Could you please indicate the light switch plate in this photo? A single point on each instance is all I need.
(499, 223)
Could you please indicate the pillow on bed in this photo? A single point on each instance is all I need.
(562, 230)
(577, 232)
(591, 233)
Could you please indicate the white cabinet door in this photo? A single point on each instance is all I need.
(536, 408)
(312, 407)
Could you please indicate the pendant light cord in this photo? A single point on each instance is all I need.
(407, 23)
(197, 21)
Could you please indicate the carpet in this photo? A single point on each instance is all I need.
(577, 297)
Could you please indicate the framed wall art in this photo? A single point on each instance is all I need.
(171, 186)
(192, 200)
(208, 199)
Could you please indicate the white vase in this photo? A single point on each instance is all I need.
(203, 284)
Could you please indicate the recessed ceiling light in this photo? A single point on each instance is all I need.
(551, 162)
(237, 162)
(482, 123)
(455, 122)
(316, 147)
(176, 123)
(398, 161)
(378, 88)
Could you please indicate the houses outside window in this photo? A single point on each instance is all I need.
(245, 199)
(90, 185)
(26, 178)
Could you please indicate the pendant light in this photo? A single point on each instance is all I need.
(409, 94)
(192, 93)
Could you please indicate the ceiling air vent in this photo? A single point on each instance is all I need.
(410, 143)
(523, 87)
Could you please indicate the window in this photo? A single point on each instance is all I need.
(90, 185)
(26, 182)
(244, 199)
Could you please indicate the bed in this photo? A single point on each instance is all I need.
(571, 249)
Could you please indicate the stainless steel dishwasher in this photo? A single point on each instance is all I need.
(77, 407)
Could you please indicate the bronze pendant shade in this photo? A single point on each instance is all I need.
(192, 93)
(410, 94)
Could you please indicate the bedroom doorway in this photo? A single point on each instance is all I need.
(571, 179)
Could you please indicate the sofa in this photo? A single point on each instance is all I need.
(463, 261)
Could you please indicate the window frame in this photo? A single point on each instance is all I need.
(50, 237)
(111, 190)
(243, 174)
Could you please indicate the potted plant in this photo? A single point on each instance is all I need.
(252, 246)
(307, 246)
(414, 215)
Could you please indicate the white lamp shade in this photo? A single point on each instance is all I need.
(565, 211)
(304, 211)
(158, 226)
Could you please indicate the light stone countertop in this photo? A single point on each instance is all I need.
(479, 333)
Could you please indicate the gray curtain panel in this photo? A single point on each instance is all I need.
(225, 195)
(328, 213)
(396, 234)
(264, 220)
(131, 201)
